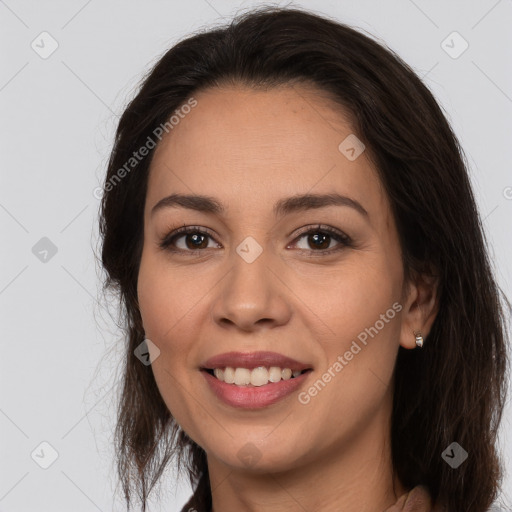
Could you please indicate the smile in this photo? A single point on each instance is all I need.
(255, 377)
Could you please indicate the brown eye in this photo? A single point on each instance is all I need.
(319, 240)
(194, 239)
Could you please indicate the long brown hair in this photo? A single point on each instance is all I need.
(454, 388)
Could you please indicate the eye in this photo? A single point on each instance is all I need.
(196, 239)
(320, 238)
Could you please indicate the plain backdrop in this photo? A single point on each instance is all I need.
(68, 68)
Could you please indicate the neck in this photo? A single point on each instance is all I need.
(354, 476)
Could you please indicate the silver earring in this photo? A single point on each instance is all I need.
(419, 339)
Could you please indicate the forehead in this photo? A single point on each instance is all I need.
(245, 146)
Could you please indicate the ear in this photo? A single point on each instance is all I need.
(420, 307)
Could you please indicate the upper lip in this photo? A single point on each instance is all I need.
(252, 360)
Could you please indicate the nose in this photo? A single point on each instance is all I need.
(251, 296)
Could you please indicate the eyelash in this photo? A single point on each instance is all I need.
(344, 241)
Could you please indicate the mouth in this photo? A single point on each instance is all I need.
(256, 387)
(254, 377)
(244, 378)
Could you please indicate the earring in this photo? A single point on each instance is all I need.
(419, 339)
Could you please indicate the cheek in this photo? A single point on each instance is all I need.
(166, 323)
(163, 301)
(352, 296)
(153, 302)
(173, 310)
(362, 310)
(350, 390)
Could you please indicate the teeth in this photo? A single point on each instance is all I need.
(259, 376)
(229, 375)
(274, 374)
(242, 376)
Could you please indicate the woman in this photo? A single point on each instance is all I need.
(290, 226)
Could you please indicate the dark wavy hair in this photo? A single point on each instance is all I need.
(451, 390)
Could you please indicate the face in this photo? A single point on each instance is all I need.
(252, 278)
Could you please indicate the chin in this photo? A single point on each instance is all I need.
(259, 457)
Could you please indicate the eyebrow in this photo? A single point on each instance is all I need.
(285, 206)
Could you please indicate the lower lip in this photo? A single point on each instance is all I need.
(254, 397)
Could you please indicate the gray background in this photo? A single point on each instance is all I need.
(60, 348)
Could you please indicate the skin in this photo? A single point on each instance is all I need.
(249, 148)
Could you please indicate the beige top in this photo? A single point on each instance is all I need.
(416, 500)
